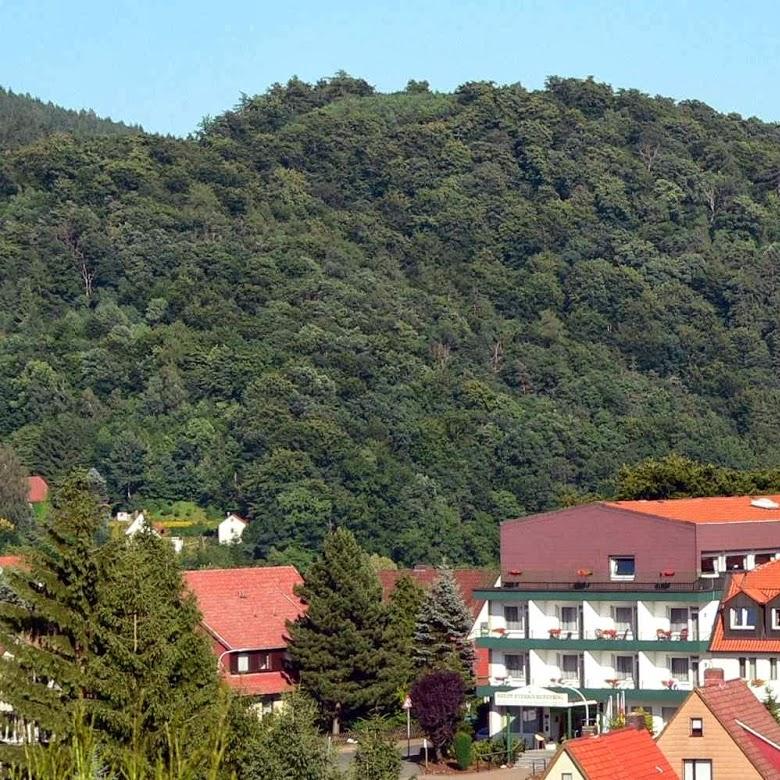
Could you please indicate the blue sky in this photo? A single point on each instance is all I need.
(167, 63)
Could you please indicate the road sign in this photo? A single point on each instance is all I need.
(407, 705)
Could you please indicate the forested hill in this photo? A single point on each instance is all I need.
(412, 314)
(24, 119)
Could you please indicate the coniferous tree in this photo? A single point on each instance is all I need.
(337, 643)
(152, 670)
(441, 635)
(48, 625)
(402, 610)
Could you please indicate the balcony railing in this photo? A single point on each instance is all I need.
(553, 581)
(626, 635)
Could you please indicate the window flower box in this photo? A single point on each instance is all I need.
(612, 682)
(757, 683)
(499, 631)
(554, 633)
(584, 572)
(609, 633)
(670, 684)
(662, 634)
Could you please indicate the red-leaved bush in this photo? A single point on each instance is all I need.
(437, 700)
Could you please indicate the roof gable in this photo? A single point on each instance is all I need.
(468, 581)
(247, 608)
(627, 752)
(747, 722)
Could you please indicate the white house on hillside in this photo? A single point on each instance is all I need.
(231, 529)
(137, 525)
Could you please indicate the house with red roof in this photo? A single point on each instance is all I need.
(722, 731)
(245, 613)
(626, 754)
(746, 636)
(469, 581)
(620, 601)
(37, 490)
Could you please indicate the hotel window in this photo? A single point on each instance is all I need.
(773, 668)
(622, 567)
(735, 563)
(678, 619)
(570, 619)
(761, 558)
(743, 668)
(697, 727)
(566, 776)
(624, 620)
(513, 619)
(752, 669)
(515, 666)
(624, 667)
(263, 662)
(242, 663)
(775, 619)
(742, 618)
(709, 565)
(679, 667)
(570, 668)
(697, 769)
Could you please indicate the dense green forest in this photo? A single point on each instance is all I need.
(411, 314)
(24, 119)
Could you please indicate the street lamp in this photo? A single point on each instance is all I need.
(579, 693)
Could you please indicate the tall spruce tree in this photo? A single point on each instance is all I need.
(402, 609)
(152, 670)
(47, 625)
(337, 644)
(441, 634)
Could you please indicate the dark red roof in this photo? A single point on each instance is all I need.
(736, 708)
(9, 560)
(468, 581)
(37, 490)
(259, 683)
(247, 608)
(619, 755)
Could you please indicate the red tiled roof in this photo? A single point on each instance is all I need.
(9, 560)
(712, 509)
(468, 581)
(733, 704)
(247, 608)
(259, 683)
(762, 584)
(37, 489)
(619, 755)
(236, 517)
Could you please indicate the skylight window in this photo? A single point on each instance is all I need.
(764, 503)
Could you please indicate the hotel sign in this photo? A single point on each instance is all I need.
(530, 696)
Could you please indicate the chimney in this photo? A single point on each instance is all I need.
(713, 676)
(636, 720)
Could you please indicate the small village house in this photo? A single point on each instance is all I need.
(722, 731)
(245, 613)
(37, 490)
(231, 529)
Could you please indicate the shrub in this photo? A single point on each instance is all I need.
(462, 747)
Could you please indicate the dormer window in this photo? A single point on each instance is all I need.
(242, 663)
(775, 619)
(622, 567)
(742, 618)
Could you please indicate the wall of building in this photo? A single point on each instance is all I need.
(728, 761)
(556, 544)
(714, 537)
